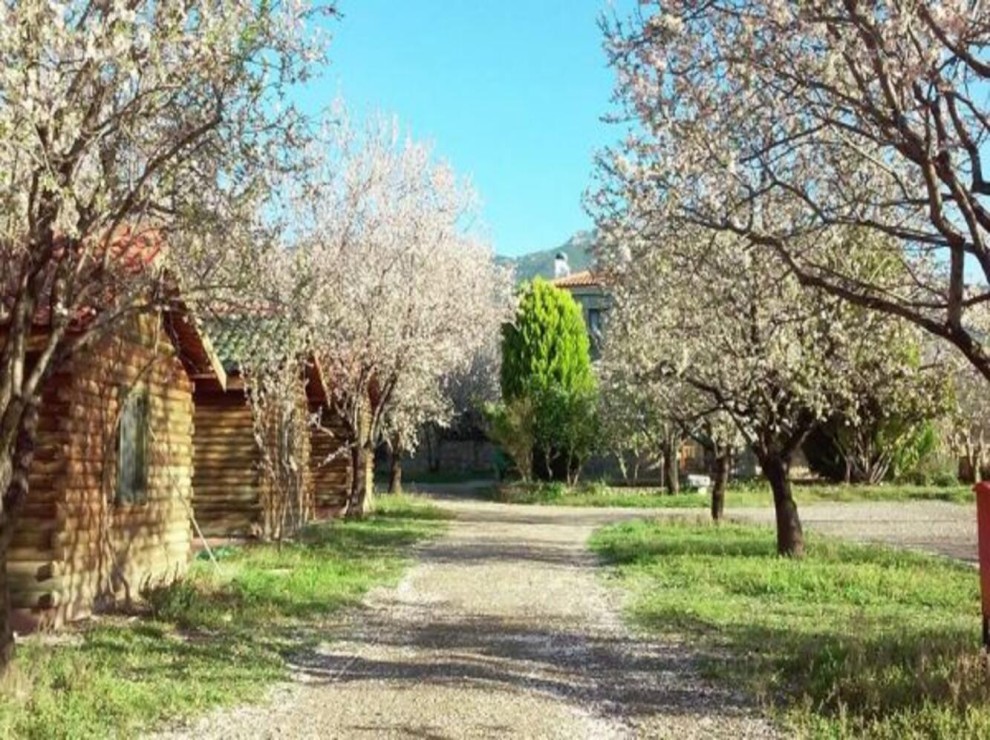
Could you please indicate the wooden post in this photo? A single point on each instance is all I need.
(982, 491)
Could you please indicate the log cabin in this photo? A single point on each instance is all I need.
(330, 463)
(229, 485)
(110, 486)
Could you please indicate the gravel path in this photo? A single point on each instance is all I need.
(932, 526)
(503, 629)
(937, 527)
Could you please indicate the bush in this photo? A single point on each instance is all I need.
(938, 470)
(916, 453)
(173, 601)
(542, 492)
(884, 449)
(510, 426)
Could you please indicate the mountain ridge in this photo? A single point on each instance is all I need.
(540, 263)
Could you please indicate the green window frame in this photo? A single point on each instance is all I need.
(132, 449)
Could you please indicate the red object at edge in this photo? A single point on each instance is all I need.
(982, 491)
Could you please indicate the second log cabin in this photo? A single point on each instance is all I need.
(229, 482)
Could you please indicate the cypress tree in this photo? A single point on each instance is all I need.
(546, 359)
(547, 347)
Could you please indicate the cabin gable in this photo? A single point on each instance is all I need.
(233, 490)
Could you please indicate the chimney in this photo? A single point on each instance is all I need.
(560, 266)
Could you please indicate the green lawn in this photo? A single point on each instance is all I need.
(851, 641)
(441, 476)
(742, 495)
(216, 638)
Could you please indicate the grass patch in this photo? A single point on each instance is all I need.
(441, 476)
(809, 493)
(745, 495)
(851, 641)
(214, 638)
(594, 494)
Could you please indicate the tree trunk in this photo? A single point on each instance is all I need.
(395, 471)
(6, 531)
(15, 466)
(670, 466)
(620, 460)
(433, 444)
(359, 502)
(719, 483)
(549, 464)
(574, 470)
(790, 537)
(6, 628)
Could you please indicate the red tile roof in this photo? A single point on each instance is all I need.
(131, 253)
(583, 279)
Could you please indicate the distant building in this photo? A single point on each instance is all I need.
(589, 291)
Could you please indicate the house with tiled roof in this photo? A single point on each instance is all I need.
(588, 289)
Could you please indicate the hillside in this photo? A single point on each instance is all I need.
(577, 249)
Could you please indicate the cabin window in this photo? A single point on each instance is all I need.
(132, 449)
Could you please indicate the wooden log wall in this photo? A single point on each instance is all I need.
(226, 478)
(77, 547)
(230, 489)
(330, 464)
(273, 509)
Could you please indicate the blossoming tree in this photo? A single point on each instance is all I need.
(406, 294)
(118, 119)
(777, 120)
(273, 320)
(727, 324)
(649, 417)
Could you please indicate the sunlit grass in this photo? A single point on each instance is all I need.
(219, 637)
(749, 495)
(850, 641)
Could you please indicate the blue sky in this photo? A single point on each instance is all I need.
(510, 92)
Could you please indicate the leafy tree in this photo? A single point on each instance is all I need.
(567, 430)
(546, 358)
(510, 425)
